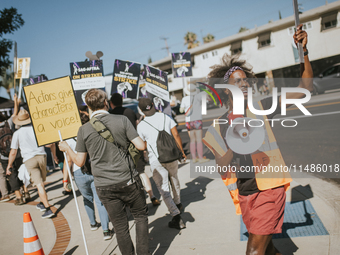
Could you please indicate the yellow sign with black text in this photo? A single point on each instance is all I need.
(53, 107)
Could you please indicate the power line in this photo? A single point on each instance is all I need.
(166, 44)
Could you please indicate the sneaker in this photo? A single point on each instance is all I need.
(176, 222)
(195, 160)
(19, 201)
(66, 193)
(27, 196)
(5, 198)
(47, 214)
(180, 207)
(41, 207)
(203, 160)
(155, 201)
(108, 234)
(95, 226)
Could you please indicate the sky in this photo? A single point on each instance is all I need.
(57, 33)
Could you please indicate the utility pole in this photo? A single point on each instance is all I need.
(166, 44)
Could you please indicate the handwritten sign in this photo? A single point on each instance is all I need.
(23, 66)
(53, 107)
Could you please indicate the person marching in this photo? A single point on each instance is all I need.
(117, 183)
(149, 129)
(116, 103)
(191, 106)
(258, 196)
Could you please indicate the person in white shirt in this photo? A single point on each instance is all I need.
(34, 158)
(191, 106)
(162, 171)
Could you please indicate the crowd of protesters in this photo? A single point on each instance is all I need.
(107, 175)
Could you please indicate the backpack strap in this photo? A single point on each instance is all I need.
(104, 132)
(101, 129)
(157, 130)
(150, 124)
(164, 122)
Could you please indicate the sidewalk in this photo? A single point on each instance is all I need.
(212, 225)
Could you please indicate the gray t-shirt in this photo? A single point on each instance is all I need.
(108, 163)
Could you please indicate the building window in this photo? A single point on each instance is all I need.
(306, 26)
(264, 40)
(205, 55)
(214, 53)
(329, 21)
(236, 48)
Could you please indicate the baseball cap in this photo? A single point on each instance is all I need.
(146, 106)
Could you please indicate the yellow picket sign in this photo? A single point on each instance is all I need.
(53, 107)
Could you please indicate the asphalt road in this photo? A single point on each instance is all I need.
(315, 139)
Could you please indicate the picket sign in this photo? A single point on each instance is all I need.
(75, 197)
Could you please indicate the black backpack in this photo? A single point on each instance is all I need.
(86, 168)
(6, 134)
(167, 148)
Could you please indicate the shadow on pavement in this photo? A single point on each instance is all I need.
(65, 201)
(48, 187)
(70, 252)
(194, 190)
(161, 236)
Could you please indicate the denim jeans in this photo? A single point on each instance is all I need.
(161, 172)
(87, 189)
(115, 198)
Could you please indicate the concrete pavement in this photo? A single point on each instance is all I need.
(212, 225)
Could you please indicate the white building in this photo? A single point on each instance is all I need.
(269, 48)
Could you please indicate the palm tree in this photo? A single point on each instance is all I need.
(190, 39)
(242, 29)
(208, 38)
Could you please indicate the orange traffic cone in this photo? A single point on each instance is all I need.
(32, 245)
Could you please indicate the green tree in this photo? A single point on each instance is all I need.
(149, 60)
(280, 17)
(242, 29)
(208, 38)
(190, 39)
(7, 78)
(10, 21)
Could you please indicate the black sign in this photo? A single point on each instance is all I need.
(86, 75)
(38, 79)
(86, 69)
(125, 78)
(156, 88)
(181, 64)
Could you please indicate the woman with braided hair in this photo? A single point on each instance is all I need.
(260, 195)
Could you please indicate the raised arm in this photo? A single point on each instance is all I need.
(16, 104)
(306, 71)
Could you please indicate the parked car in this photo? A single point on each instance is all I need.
(328, 79)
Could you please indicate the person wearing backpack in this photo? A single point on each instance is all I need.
(117, 182)
(7, 128)
(85, 183)
(116, 103)
(165, 149)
